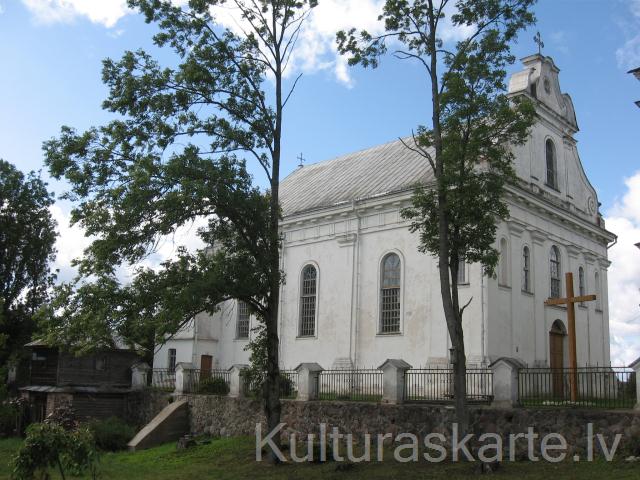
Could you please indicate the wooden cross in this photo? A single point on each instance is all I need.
(538, 39)
(570, 301)
(302, 160)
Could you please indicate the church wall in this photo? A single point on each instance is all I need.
(229, 350)
(513, 329)
(350, 310)
(333, 261)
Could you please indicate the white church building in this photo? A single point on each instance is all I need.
(358, 291)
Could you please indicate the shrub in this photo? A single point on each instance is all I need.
(213, 386)
(287, 387)
(49, 446)
(112, 434)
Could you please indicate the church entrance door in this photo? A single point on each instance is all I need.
(556, 357)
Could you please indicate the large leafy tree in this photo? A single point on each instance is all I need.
(27, 248)
(467, 141)
(177, 153)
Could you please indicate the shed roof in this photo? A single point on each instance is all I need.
(369, 173)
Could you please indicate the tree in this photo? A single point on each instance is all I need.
(467, 145)
(27, 248)
(177, 154)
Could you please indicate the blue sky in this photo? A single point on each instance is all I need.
(50, 75)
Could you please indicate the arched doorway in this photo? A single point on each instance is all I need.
(557, 336)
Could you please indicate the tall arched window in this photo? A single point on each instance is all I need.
(550, 153)
(503, 279)
(390, 294)
(554, 272)
(308, 292)
(526, 269)
(242, 322)
(598, 292)
(581, 285)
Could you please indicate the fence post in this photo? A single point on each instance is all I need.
(393, 374)
(505, 382)
(635, 366)
(184, 376)
(236, 380)
(308, 377)
(139, 373)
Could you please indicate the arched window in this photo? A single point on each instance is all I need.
(503, 279)
(598, 292)
(308, 292)
(526, 269)
(242, 322)
(581, 286)
(390, 294)
(550, 153)
(554, 272)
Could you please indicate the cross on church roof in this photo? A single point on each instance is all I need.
(302, 159)
(538, 39)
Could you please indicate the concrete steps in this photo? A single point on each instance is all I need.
(169, 425)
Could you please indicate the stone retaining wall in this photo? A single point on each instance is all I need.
(226, 416)
(142, 405)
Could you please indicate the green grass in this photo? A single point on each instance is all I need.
(234, 459)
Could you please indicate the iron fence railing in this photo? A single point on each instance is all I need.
(596, 387)
(213, 381)
(436, 384)
(288, 384)
(362, 385)
(163, 379)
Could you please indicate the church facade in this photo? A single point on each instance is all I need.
(357, 290)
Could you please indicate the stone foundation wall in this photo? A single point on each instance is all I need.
(143, 405)
(225, 416)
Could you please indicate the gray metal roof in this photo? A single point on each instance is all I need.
(373, 172)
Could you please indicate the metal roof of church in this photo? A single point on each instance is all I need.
(376, 171)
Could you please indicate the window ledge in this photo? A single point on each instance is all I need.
(599, 310)
(241, 339)
(559, 307)
(555, 189)
(465, 284)
(527, 293)
(504, 287)
(306, 337)
(389, 334)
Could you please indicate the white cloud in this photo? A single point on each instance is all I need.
(624, 275)
(72, 242)
(628, 56)
(316, 49)
(105, 12)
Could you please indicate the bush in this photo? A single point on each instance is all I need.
(49, 446)
(112, 434)
(287, 387)
(213, 386)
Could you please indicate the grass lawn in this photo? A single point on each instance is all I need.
(234, 459)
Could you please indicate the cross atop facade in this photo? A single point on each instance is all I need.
(538, 39)
(570, 301)
(302, 160)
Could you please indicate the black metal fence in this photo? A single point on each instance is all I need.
(596, 387)
(436, 384)
(163, 379)
(288, 384)
(214, 381)
(362, 385)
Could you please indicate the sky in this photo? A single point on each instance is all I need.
(50, 75)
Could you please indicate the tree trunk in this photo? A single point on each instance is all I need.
(271, 391)
(451, 312)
